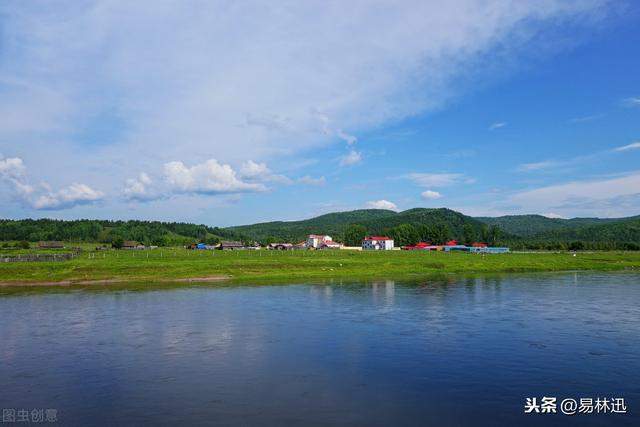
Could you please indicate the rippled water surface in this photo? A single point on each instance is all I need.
(458, 352)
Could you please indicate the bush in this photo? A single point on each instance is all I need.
(117, 242)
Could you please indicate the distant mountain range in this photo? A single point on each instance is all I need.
(513, 227)
(376, 221)
(523, 231)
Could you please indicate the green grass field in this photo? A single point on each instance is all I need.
(166, 264)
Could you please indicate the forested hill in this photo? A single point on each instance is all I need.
(407, 227)
(532, 225)
(84, 230)
(375, 221)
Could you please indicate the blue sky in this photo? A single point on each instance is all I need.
(226, 113)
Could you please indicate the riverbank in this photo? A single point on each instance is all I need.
(177, 264)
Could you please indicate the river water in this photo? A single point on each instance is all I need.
(442, 352)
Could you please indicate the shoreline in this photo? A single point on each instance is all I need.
(287, 279)
(81, 282)
(155, 268)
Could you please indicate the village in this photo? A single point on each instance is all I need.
(325, 242)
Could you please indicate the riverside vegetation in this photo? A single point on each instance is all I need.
(169, 264)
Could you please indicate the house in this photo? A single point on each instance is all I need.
(132, 244)
(422, 246)
(330, 244)
(280, 246)
(231, 246)
(452, 242)
(317, 240)
(51, 245)
(381, 243)
(479, 245)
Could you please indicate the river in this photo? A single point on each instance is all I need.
(463, 351)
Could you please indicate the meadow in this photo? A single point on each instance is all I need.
(178, 264)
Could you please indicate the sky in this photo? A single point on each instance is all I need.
(228, 113)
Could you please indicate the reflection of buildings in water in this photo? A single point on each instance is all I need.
(385, 289)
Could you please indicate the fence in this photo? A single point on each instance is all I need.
(38, 257)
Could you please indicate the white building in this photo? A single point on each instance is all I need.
(377, 243)
(317, 240)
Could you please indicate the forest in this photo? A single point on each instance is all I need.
(520, 232)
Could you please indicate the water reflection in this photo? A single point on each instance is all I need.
(443, 351)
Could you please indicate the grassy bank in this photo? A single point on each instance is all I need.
(163, 265)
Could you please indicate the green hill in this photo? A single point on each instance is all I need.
(410, 226)
(84, 230)
(376, 221)
(531, 225)
(619, 230)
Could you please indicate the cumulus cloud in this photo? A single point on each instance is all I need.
(497, 125)
(42, 197)
(209, 177)
(139, 188)
(12, 170)
(438, 179)
(73, 195)
(632, 146)
(351, 158)
(259, 172)
(309, 180)
(381, 204)
(430, 195)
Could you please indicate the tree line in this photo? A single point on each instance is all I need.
(437, 234)
(146, 232)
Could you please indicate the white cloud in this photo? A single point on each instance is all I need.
(253, 74)
(139, 188)
(251, 169)
(381, 204)
(605, 197)
(633, 101)
(352, 158)
(73, 195)
(13, 171)
(632, 146)
(497, 125)
(438, 179)
(259, 172)
(532, 167)
(553, 215)
(586, 118)
(430, 195)
(349, 139)
(309, 180)
(209, 177)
